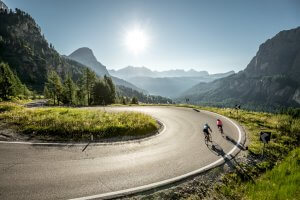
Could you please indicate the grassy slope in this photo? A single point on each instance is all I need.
(268, 172)
(274, 178)
(76, 124)
(282, 182)
(285, 135)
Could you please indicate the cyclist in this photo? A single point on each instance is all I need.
(220, 125)
(206, 132)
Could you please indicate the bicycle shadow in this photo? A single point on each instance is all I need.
(215, 148)
(231, 140)
(229, 160)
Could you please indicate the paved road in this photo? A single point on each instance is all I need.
(64, 172)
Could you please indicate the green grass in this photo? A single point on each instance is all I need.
(8, 106)
(285, 129)
(274, 181)
(76, 124)
(282, 182)
(276, 176)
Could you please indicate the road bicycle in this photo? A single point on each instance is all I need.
(220, 129)
(207, 137)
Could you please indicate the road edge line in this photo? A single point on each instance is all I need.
(138, 189)
(160, 132)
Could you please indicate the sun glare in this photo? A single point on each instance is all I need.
(136, 40)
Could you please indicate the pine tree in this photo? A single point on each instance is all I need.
(69, 91)
(111, 96)
(100, 92)
(134, 100)
(10, 84)
(7, 83)
(54, 86)
(47, 93)
(90, 79)
(124, 100)
(81, 92)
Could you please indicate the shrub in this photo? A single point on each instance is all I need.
(78, 124)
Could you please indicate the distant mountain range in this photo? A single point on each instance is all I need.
(270, 81)
(169, 83)
(130, 71)
(31, 57)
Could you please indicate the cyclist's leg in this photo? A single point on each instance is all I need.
(222, 129)
(209, 136)
(205, 135)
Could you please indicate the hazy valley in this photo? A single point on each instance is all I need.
(133, 125)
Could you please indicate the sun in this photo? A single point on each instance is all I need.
(136, 40)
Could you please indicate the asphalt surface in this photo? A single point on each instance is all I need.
(30, 171)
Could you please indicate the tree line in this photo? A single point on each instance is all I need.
(10, 84)
(128, 95)
(89, 89)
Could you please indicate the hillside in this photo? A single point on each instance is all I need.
(28, 53)
(168, 86)
(31, 57)
(130, 72)
(156, 99)
(86, 57)
(271, 79)
(169, 83)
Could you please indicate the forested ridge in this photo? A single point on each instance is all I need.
(33, 63)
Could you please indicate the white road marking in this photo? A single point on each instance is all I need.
(144, 187)
(84, 144)
(168, 181)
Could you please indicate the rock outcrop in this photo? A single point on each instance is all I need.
(271, 80)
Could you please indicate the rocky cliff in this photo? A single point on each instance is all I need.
(86, 57)
(28, 53)
(270, 80)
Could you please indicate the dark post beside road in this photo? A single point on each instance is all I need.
(265, 137)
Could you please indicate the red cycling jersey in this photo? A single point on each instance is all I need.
(219, 123)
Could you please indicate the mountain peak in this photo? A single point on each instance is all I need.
(83, 51)
(85, 56)
(278, 55)
(270, 81)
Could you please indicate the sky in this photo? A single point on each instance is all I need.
(212, 35)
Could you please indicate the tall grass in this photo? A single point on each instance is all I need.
(8, 106)
(77, 124)
(285, 129)
(282, 182)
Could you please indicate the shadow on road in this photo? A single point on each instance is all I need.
(229, 160)
(215, 148)
(86, 146)
(231, 140)
(36, 103)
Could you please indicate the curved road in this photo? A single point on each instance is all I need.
(33, 171)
